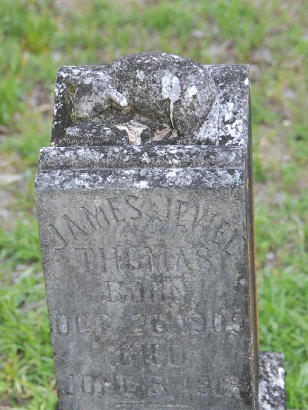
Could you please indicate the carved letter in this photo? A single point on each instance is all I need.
(116, 212)
(58, 236)
(136, 210)
(93, 218)
(62, 324)
(73, 227)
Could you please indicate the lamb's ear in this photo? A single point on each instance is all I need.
(118, 98)
(209, 131)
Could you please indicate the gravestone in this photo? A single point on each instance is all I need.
(144, 203)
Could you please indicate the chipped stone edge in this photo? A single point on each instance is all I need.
(272, 395)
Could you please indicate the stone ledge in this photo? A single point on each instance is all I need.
(146, 156)
(139, 178)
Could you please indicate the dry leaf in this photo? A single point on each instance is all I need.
(134, 130)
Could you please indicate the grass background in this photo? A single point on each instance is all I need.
(39, 35)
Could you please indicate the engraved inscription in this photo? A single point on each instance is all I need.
(167, 322)
(146, 279)
(151, 292)
(150, 387)
(112, 212)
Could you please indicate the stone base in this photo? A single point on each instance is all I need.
(272, 395)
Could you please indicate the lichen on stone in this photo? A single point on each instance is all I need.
(174, 100)
(158, 91)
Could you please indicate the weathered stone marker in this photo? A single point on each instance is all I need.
(144, 205)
